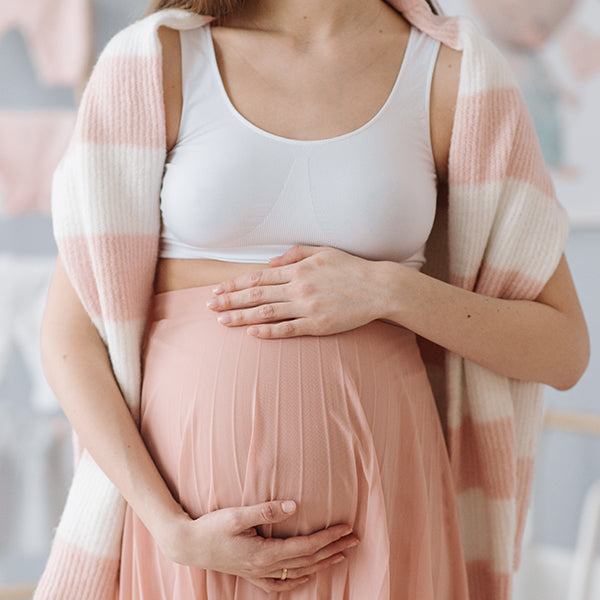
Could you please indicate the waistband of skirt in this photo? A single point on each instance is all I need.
(183, 302)
(191, 302)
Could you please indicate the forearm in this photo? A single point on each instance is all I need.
(526, 340)
(78, 370)
(312, 290)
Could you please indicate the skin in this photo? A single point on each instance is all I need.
(332, 47)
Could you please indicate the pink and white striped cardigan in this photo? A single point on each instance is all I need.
(499, 231)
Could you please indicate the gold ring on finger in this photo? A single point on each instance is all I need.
(284, 573)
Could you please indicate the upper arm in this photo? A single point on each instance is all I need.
(64, 315)
(444, 91)
(172, 88)
(61, 294)
(559, 293)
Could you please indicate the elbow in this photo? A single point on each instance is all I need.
(566, 383)
(573, 366)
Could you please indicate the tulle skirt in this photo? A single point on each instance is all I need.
(344, 424)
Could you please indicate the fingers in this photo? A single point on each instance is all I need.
(252, 296)
(261, 314)
(300, 572)
(271, 585)
(246, 517)
(267, 309)
(256, 278)
(295, 254)
(285, 329)
(300, 556)
(328, 553)
(281, 551)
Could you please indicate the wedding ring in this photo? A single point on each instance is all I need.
(283, 574)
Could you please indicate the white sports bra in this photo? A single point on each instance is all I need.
(234, 192)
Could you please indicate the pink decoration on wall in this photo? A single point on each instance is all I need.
(59, 34)
(581, 47)
(31, 145)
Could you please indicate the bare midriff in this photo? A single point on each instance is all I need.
(178, 273)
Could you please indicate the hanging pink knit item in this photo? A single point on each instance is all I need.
(31, 146)
(58, 33)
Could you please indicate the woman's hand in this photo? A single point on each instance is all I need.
(226, 540)
(309, 290)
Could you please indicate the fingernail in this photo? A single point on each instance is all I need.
(224, 319)
(338, 560)
(211, 303)
(288, 506)
(218, 289)
(354, 543)
(252, 331)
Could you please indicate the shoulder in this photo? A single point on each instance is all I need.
(172, 86)
(469, 67)
(171, 49)
(446, 79)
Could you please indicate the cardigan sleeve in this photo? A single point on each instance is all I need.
(105, 191)
(501, 233)
(105, 213)
(506, 228)
(105, 196)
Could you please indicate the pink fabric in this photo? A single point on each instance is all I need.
(99, 571)
(32, 144)
(132, 131)
(465, 440)
(506, 135)
(115, 250)
(486, 583)
(581, 47)
(345, 424)
(59, 34)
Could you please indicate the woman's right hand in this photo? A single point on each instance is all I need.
(226, 540)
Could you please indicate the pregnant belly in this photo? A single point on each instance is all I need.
(329, 421)
(178, 273)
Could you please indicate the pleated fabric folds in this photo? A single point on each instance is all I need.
(346, 425)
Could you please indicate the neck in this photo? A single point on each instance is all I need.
(311, 19)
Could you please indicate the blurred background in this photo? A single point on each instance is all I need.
(46, 50)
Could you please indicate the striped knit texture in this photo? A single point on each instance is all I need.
(500, 233)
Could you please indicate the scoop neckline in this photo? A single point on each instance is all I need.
(280, 138)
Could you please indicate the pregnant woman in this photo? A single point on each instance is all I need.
(242, 219)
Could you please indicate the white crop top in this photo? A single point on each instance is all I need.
(234, 192)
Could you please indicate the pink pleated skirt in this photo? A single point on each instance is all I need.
(345, 425)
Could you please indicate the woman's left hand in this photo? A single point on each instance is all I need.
(309, 290)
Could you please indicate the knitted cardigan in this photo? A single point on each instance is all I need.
(499, 231)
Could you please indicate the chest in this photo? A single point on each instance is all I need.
(229, 183)
(305, 94)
